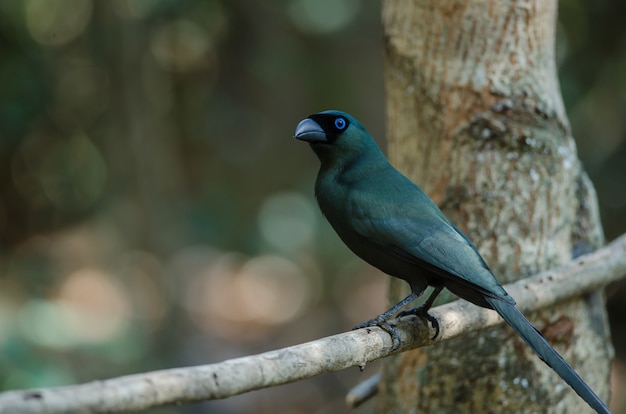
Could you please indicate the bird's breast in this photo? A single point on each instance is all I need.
(343, 208)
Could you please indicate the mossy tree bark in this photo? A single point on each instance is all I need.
(475, 117)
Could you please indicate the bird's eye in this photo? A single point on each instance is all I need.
(340, 123)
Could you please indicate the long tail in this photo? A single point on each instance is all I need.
(544, 350)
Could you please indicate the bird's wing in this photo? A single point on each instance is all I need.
(430, 240)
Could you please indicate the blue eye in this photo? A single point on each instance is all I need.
(340, 123)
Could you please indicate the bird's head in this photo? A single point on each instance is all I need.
(335, 135)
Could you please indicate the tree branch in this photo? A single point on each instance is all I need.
(355, 348)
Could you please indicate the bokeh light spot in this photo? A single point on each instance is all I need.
(135, 9)
(287, 220)
(98, 307)
(240, 300)
(90, 308)
(142, 271)
(56, 22)
(180, 46)
(7, 315)
(273, 290)
(323, 16)
(44, 323)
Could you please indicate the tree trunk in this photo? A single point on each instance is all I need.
(475, 117)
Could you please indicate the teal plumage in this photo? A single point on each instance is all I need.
(389, 222)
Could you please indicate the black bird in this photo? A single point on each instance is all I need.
(389, 222)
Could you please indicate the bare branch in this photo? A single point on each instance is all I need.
(363, 391)
(355, 348)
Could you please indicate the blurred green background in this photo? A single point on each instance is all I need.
(155, 212)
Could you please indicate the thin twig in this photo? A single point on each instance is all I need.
(355, 348)
(363, 391)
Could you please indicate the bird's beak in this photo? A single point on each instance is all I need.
(310, 131)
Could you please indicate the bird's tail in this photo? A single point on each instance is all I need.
(546, 352)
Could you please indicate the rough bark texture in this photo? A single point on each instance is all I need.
(475, 117)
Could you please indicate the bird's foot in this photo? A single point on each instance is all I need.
(385, 326)
(423, 312)
(372, 322)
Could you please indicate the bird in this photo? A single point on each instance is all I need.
(392, 224)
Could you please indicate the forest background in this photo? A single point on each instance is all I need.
(155, 211)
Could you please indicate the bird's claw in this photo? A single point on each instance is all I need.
(369, 324)
(385, 326)
(423, 312)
